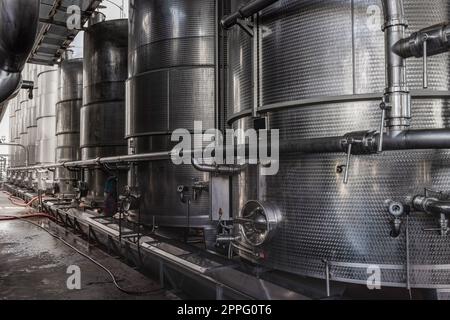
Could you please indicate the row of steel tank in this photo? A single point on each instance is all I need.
(319, 64)
(50, 129)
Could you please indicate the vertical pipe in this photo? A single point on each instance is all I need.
(425, 65)
(396, 96)
(255, 65)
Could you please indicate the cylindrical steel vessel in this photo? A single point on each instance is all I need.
(70, 95)
(32, 106)
(102, 119)
(12, 128)
(18, 116)
(47, 80)
(46, 115)
(313, 51)
(171, 85)
(31, 122)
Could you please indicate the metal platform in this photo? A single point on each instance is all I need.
(53, 37)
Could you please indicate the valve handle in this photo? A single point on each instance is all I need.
(347, 165)
(425, 61)
(384, 107)
(383, 118)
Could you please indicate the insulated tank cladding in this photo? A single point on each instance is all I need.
(305, 74)
(46, 123)
(70, 95)
(102, 118)
(20, 126)
(31, 122)
(46, 115)
(171, 85)
(12, 128)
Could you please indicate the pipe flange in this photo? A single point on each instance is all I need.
(394, 22)
(363, 142)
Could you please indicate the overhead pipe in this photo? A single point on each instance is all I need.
(18, 27)
(366, 142)
(245, 11)
(216, 168)
(363, 142)
(132, 158)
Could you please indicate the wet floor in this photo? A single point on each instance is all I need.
(34, 265)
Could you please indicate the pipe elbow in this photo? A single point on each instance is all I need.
(19, 21)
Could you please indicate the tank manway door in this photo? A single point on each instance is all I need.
(258, 222)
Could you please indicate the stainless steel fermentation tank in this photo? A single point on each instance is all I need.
(31, 121)
(70, 100)
(103, 113)
(47, 82)
(322, 73)
(171, 85)
(12, 127)
(31, 124)
(21, 132)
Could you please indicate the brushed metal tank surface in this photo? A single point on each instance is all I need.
(171, 85)
(102, 119)
(47, 80)
(321, 49)
(20, 131)
(31, 113)
(70, 101)
(12, 126)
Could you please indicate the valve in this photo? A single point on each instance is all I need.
(198, 187)
(396, 209)
(358, 142)
(182, 189)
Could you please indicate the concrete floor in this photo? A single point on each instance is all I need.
(33, 265)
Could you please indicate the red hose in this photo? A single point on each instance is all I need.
(28, 204)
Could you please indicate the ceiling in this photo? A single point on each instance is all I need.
(53, 36)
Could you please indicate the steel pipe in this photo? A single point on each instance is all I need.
(396, 96)
(368, 142)
(27, 156)
(364, 142)
(245, 11)
(431, 205)
(433, 40)
(217, 169)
